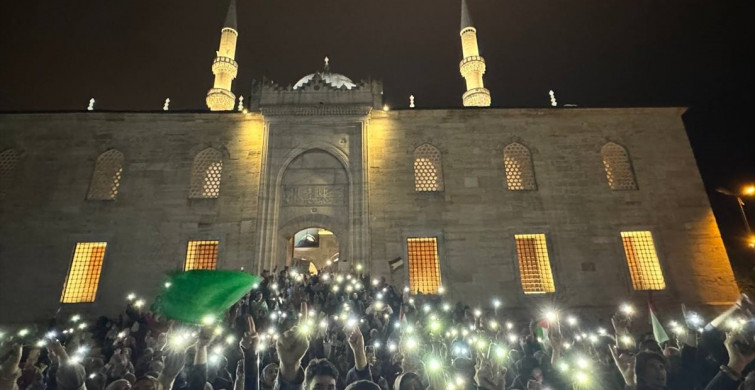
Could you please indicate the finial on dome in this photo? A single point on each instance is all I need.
(327, 64)
(166, 105)
(553, 98)
(90, 107)
(411, 101)
(241, 104)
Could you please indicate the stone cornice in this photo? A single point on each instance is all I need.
(316, 110)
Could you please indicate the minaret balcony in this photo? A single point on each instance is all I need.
(225, 65)
(220, 99)
(473, 64)
(476, 97)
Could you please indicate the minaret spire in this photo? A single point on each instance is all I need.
(472, 66)
(224, 66)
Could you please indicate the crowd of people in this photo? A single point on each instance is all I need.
(295, 331)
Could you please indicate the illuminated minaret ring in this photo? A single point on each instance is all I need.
(472, 66)
(224, 66)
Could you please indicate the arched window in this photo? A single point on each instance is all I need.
(205, 174)
(618, 167)
(520, 175)
(428, 171)
(8, 161)
(107, 176)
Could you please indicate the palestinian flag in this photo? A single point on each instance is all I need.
(192, 296)
(659, 334)
(541, 331)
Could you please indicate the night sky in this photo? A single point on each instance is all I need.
(132, 54)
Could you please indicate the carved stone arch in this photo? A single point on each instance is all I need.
(427, 161)
(9, 161)
(520, 171)
(618, 166)
(106, 177)
(206, 173)
(324, 146)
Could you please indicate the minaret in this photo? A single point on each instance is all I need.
(224, 67)
(472, 67)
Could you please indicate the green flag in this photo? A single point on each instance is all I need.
(658, 332)
(192, 296)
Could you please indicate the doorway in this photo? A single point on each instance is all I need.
(314, 249)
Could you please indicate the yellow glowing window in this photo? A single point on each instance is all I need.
(201, 255)
(84, 274)
(424, 269)
(534, 264)
(517, 161)
(644, 266)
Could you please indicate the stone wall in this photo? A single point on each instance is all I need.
(475, 218)
(147, 227)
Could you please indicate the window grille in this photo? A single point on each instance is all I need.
(206, 174)
(8, 161)
(84, 274)
(424, 269)
(201, 255)
(642, 259)
(534, 264)
(618, 167)
(428, 171)
(520, 174)
(107, 176)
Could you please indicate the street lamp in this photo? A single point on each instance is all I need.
(746, 191)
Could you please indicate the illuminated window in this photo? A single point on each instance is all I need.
(424, 269)
(428, 172)
(107, 176)
(642, 260)
(618, 167)
(8, 161)
(534, 264)
(84, 274)
(201, 255)
(520, 175)
(206, 173)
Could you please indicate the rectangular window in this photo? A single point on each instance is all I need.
(201, 255)
(534, 264)
(84, 274)
(644, 266)
(424, 269)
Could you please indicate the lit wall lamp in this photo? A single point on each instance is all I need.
(746, 191)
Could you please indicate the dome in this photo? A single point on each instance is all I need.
(335, 80)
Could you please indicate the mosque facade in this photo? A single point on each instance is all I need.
(584, 206)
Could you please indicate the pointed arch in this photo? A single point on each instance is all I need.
(206, 173)
(106, 177)
(619, 173)
(8, 161)
(428, 169)
(520, 174)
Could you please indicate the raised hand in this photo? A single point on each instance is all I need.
(291, 347)
(356, 342)
(625, 363)
(9, 368)
(250, 339)
(486, 376)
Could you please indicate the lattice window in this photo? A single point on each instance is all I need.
(520, 175)
(107, 176)
(8, 162)
(84, 275)
(618, 167)
(206, 174)
(534, 264)
(642, 259)
(424, 268)
(428, 171)
(201, 255)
